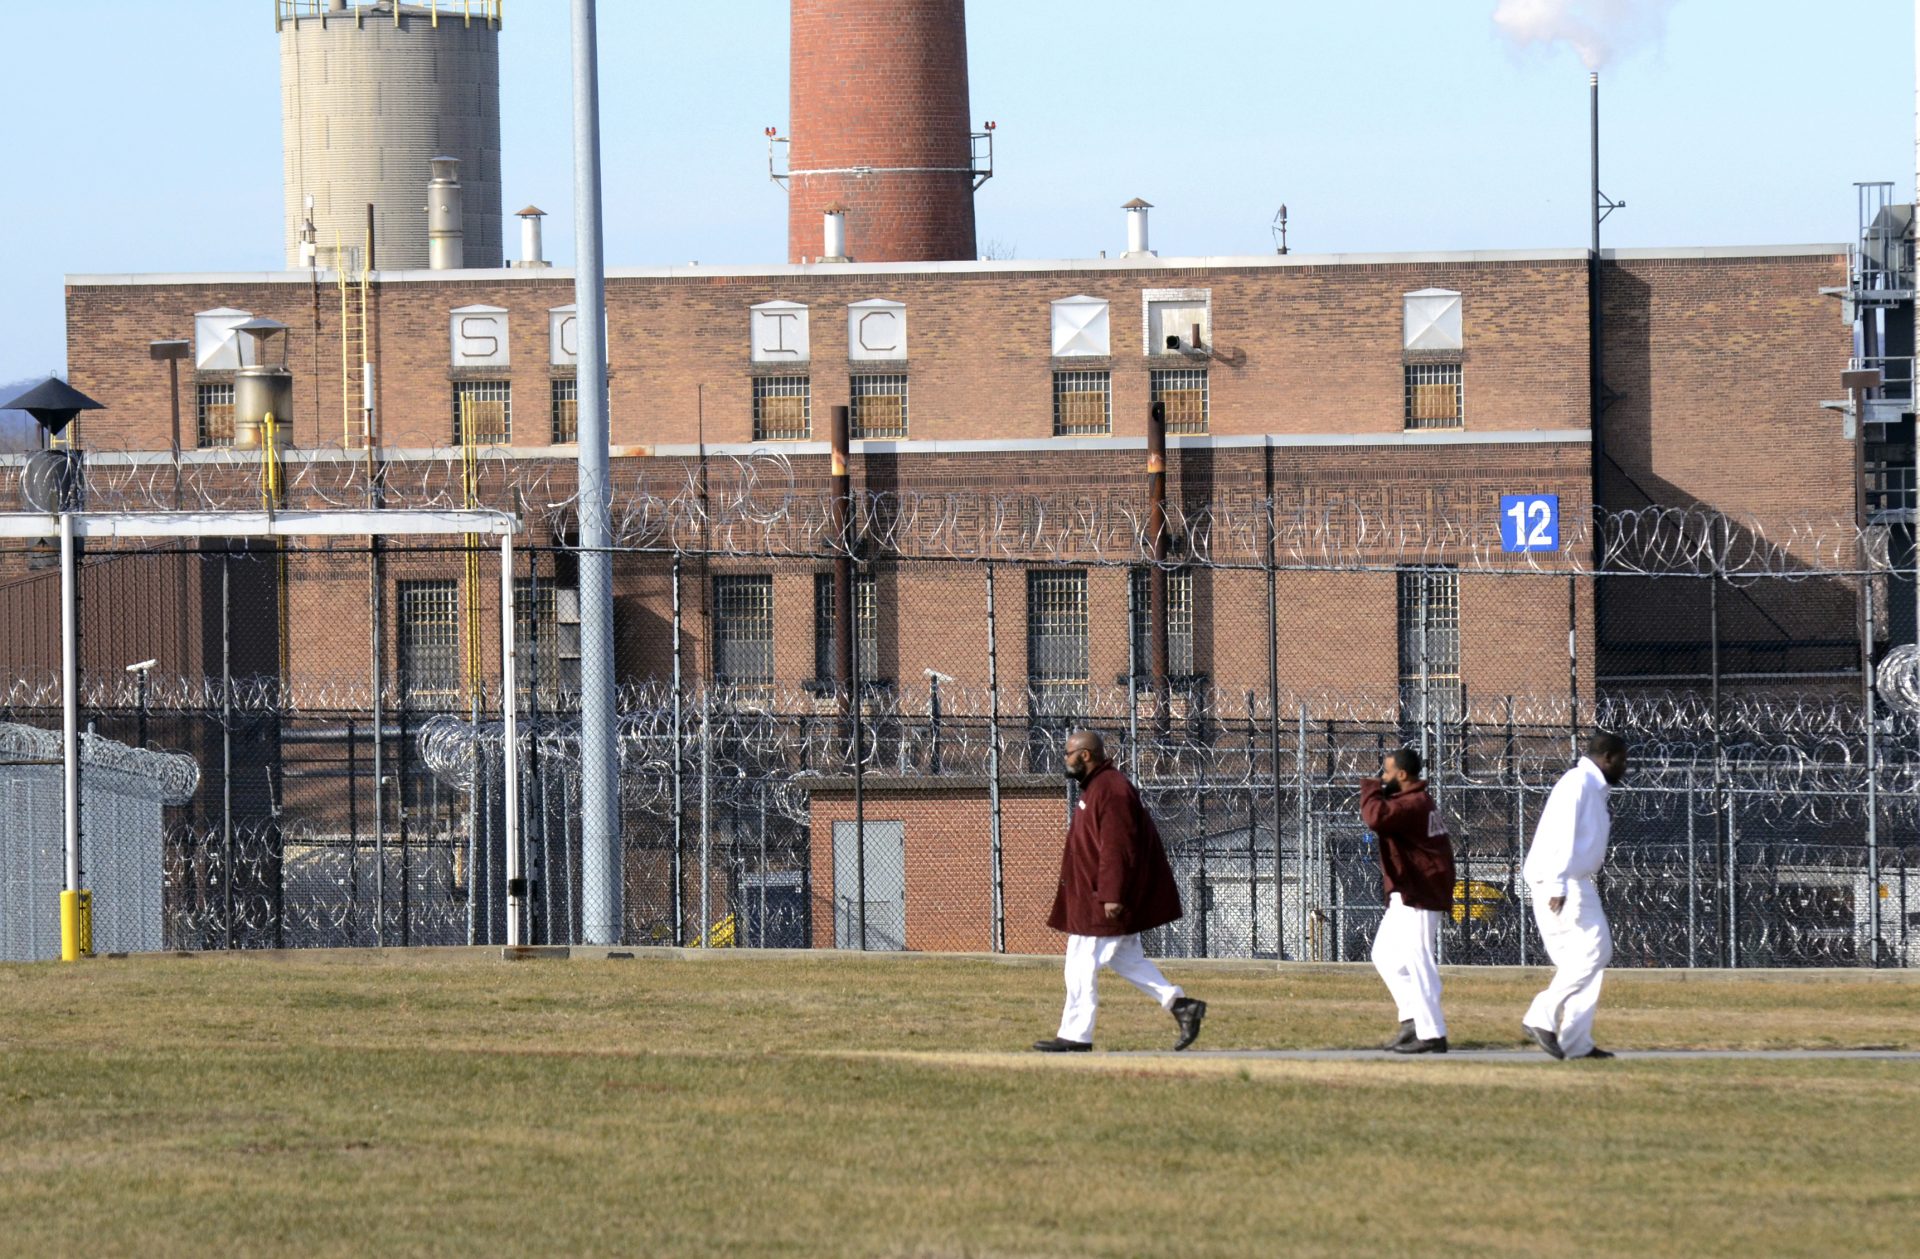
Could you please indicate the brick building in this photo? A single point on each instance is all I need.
(1345, 435)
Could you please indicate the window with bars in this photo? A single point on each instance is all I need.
(743, 632)
(429, 640)
(1435, 396)
(1179, 622)
(1057, 641)
(866, 614)
(1430, 688)
(782, 408)
(215, 410)
(1082, 403)
(1184, 392)
(546, 627)
(566, 410)
(879, 407)
(488, 406)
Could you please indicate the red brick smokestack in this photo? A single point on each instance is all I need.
(880, 124)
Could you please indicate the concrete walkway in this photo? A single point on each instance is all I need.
(1535, 1055)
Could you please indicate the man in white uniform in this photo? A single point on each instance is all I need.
(1569, 847)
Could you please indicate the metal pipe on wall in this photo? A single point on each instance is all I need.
(599, 776)
(1157, 574)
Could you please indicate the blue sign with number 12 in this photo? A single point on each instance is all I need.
(1530, 522)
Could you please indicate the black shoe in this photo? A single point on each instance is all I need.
(1401, 1037)
(1597, 1052)
(1188, 1013)
(1438, 1045)
(1546, 1040)
(1057, 1046)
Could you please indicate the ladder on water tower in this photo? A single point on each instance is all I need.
(355, 361)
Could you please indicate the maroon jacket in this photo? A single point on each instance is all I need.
(1416, 856)
(1113, 854)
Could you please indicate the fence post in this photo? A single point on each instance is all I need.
(1693, 881)
(1873, 773)
(678, 897)
(1273, 717)
(1573, 666)
(1253, 827)
(376, 593)
(517, 898)
(226, 738)
(706, 802)
(1303, 811)
(71, 943)
(1733, 883)
(999, 924)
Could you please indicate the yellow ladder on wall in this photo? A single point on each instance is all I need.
(355, 358)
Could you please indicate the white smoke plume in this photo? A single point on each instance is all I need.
(1599, 30)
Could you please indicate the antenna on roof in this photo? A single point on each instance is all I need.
(1279, 230)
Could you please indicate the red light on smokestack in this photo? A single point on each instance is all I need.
(880, 124)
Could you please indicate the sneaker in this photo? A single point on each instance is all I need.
(1438, 1045)
(1401, 1037)
(1055, 1045)
(1597, 1052)
(1187, 1013)
(1548, 1041)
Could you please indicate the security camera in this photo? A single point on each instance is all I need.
(143, 666)
(938, 676)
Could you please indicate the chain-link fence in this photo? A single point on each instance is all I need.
(343, 708)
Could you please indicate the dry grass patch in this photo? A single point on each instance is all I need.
(418, 1104)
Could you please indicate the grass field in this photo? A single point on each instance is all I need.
(432, 1103)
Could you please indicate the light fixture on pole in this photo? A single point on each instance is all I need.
(141, 670)
(170, 353)
(55, 475)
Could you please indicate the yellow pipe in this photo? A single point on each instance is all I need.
(76, 925)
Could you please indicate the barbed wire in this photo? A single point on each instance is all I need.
(163, 777)
(761, 505)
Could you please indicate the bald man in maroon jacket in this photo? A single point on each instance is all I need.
(1114, 883)
(1416, 874)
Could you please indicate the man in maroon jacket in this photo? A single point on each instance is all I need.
(1114, 883)
(1416, 869)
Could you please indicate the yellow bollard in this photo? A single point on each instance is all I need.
(76, 925)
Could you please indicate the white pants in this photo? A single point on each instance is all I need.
(1580, 946)
(1124, 956)
(1403, 954)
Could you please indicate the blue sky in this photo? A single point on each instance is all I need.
(146, 137)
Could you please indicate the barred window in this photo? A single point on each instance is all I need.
(743, 631)
(879, 407)
(546, 643)
(1179, 622)
(429, 640)
(782, 408)
(1184, 391)
(1430, 645)
(1082, 403)
(488, 406)
(1057, 641)
(216, 415)
(566, 410)
(1435, 396)
(826, 644)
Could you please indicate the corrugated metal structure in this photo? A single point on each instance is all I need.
(123, 793)
(370, 95)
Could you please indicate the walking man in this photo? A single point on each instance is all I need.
(1114, 883)
(1569, 847)
(1416, 872)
